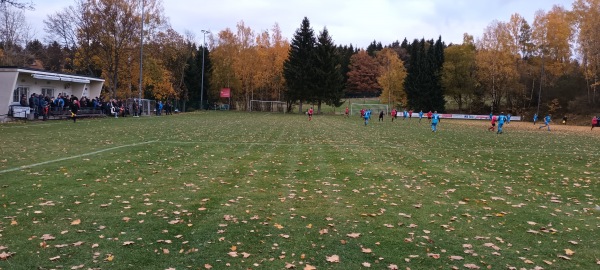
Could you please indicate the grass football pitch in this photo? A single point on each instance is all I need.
(231, 190)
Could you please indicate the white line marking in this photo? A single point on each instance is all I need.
(72, 157)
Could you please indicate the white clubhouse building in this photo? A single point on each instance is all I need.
(18, 81)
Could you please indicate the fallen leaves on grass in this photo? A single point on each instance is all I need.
(353, 235)
(333, 258)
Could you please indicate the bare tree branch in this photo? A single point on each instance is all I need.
(18, 4)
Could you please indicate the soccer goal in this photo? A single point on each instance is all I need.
(375, 108)
(267, 106)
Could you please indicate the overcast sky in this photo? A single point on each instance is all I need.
(356, 22)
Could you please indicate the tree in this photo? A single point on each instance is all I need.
(61, 26)
(14, 34)
(459, 72)
(585, 15)
(328, 86)
(17, 4)
(55, 55)
(496, 66)
(345, 53)
(298, 69)
(193, 76)
(373, 48)
(362, 77)
(423, 83)
(391, 78)
(552, 34)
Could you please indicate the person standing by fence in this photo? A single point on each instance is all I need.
(594, 122)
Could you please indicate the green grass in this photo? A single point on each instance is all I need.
(190, 188)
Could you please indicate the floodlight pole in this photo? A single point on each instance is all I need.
(204, 32)
(141, 58)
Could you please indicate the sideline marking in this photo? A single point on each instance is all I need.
(77, 156)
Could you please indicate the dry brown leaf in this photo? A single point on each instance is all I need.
(76, 222)
(14, 222)
(245, 255)
(233, 248)
(564, 257)
(55, 258)
(109, 257)
(166, 251)
(392, 267)
(353, 235)
(456, 258)
(569, 252)
(309, 267)
(278, 226)
(232, 254)
(289, 266)
(333, 258)
(366, 250)
(207, 266)
(78, 243)
(323, 231)
(47, 237)
(77, 267)
(366, 264)
(573, 242)
(128, 243)
(471, 266)
(433, 255)
(5, 255)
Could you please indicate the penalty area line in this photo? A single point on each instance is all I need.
(73, 157)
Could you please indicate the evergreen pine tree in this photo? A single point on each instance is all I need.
(193, 77)
(423, 84)
(207, 75)
(345, 53)
(298, 69)
(329, 81)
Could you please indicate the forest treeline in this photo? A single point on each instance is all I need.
(549, 65)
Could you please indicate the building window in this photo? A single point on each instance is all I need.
(19, 92)
(47, 92)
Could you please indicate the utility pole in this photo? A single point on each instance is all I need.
(141, 57)
(204, 32)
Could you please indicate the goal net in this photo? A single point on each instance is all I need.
(267, 106)
(375, 108)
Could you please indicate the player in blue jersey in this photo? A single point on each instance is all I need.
(420, 116)
(435, 119)
(367, 116)
(535, 118)
(547, 121)
(501, 120)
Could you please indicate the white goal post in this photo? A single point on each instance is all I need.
(267, 106)
(375, 108)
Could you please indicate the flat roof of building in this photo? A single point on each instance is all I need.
(48, 73)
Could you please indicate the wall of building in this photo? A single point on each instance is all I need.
(8, 80)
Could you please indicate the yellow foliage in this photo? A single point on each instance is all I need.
(392, 77)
